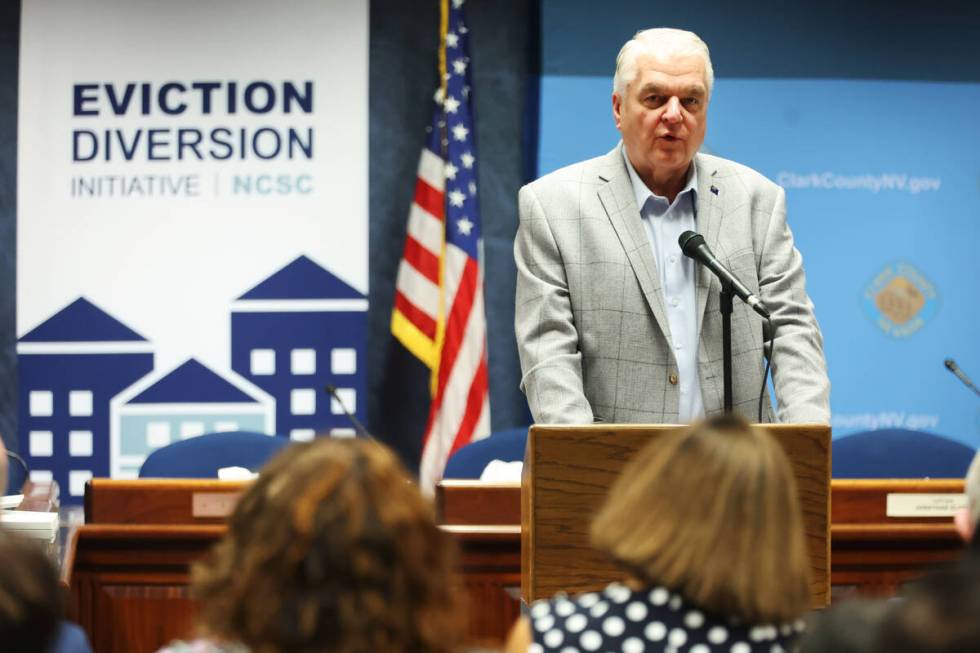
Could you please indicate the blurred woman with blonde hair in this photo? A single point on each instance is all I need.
(705, 525)
(333, 548)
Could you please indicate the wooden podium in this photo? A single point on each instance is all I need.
(568, 470)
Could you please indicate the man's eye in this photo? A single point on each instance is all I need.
(692, 102)
(655, 100)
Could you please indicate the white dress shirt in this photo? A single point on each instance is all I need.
(665, 222)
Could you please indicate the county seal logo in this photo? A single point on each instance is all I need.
(900, 300)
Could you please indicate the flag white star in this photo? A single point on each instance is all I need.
(451, 171)
(451, 104)
(452, 40)
(472, 188)
(460, 132)
(456, 198)
(462, 29)
(466, 91)
(438, 96)
(464, 225)
(467, 159)
(457, 4)
(459, 66)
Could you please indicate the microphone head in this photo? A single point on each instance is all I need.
(950, 364)
(330, 388)
(690, 241)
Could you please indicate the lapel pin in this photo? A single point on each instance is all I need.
(714, 190)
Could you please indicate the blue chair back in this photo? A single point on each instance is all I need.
(202, 456)
(470, 461)
(899, 453)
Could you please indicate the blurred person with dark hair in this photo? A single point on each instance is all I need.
(966, 519)
(848, 627)
(332, 548)
(31, 600)
(939, 614)
(706, 528)
(3, 467)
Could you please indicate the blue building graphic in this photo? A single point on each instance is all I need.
(68, 369)
(182, 403)
(295, 332)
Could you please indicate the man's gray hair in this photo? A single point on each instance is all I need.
(656, 41)
(972, 489)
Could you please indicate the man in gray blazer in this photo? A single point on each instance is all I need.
(613, 322)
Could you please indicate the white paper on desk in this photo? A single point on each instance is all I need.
(37, 525)
(236, 474)
(11, 501)
(499, 471)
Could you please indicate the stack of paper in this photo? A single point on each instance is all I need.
(34, 525)
(11, 501)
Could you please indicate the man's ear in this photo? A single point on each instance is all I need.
(963, 526)
(617, 107)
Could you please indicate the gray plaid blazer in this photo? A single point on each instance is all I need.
(592, 329)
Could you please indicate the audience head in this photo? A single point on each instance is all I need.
(966, 519)
(849, 627)
(939, 614)
(31, 599)
(332, 549)
(712, 512)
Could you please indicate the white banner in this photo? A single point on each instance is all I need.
(192, 224)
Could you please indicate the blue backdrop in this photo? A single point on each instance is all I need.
(875, 139)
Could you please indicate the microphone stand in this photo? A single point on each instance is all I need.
(726, 300)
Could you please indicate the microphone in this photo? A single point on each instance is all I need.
(693, 246)
(331, 390)
(960, 374)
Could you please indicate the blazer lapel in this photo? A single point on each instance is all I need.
(709, 217)
(619, 202)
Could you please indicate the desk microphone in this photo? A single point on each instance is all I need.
(693, 246)
(331, 390)
(960, 374)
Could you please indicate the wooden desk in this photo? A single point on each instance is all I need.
(128, 566)
(873, 554)
(129, 575)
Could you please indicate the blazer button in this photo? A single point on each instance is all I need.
(672, 378)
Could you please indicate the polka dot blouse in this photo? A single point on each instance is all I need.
(655, 619)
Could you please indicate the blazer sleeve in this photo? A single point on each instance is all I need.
(799, 370)
(547, 339)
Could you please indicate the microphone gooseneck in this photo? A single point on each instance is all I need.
(331, 390)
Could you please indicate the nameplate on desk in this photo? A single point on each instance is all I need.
(213, 504)
(901, 504)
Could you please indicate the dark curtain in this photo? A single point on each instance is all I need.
(404, 43)
(9, 45)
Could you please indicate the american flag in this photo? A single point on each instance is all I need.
(438, 313)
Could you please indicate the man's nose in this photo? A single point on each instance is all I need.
(672, 111)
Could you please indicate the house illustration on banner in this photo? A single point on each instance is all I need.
(295, 332)
(182, 403)
(68, 368)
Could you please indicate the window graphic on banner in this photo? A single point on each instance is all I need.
(192, 226)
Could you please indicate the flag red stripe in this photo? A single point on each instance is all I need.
(456, 325)
(475, 403)
(423, 322)
(429, 199)
(455, 328)
(422, 259)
